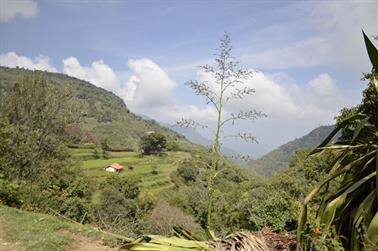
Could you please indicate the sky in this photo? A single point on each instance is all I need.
(307, 56)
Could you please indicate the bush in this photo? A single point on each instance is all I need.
(127, 186)
(77, 209)
(188, 171)
(164, 217)
(10, 194)
(114, 205)
(269, 208)
(64, 193)
(173, 146)
(153, 143)
(115, 213)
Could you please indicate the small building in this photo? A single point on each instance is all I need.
(115, 167)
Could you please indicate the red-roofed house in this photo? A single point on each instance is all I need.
(115, 167)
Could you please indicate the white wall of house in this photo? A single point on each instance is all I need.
(110, 169)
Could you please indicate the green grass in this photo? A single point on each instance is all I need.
(41, 232)
(142, 167)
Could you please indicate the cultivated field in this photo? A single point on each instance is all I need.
(153, 171)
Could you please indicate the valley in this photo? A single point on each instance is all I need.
(80, 170)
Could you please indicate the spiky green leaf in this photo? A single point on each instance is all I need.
(372, 51)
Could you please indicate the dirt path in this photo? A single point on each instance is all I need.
(7, 245)
(82, 243)
(79, 243)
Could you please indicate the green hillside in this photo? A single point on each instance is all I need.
(22, 230)
(103, 115)
(153, 172)
(281, 156)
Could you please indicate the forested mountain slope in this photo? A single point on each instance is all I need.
(280, 157)
(103, 115)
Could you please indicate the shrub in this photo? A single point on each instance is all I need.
(269, 208)
(10, 194)
(127, 186)
(164, 217)
(188, 171)
(153, 143)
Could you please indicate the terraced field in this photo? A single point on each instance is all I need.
(153, 171)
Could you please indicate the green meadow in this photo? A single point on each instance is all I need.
(42, 232)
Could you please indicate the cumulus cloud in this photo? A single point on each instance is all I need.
(292, 108)
(287, 100)
(151, 91)
(98, 73)
(323, 85)
(10, 9)
(11, 59)
(149, 85)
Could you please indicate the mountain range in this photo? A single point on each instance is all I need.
(280, 157)
(106, 117)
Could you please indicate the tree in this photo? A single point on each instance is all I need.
(153, 143)
(229, 85)
(33, 117)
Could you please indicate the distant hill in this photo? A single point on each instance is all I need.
(280, 157)
(104, 115)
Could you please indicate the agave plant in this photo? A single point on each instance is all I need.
(185, 241)
(352, 209)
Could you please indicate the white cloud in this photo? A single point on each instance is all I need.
(287, 100)
(205, 116)
(149, 85)
(293, 109)
(10, 9)
(98, 73)
(11, 59)
(151, 91)
(323, 85)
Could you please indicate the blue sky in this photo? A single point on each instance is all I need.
(309, 55)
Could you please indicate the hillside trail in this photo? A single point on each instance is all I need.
(79, 243)
(83, 243)
(6, 245)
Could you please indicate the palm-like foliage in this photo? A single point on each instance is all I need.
(185, 241)
(181, 241)
(352, 209)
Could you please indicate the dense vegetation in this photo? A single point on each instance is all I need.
(350, 212)
(39, 172)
